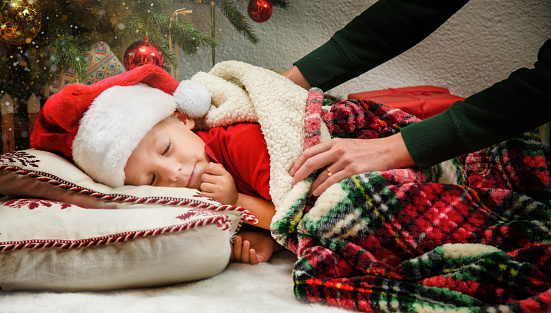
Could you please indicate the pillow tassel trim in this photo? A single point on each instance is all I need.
(245, 214)
(222, 221)
(56, 181)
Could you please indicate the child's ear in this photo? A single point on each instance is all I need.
(188, 121)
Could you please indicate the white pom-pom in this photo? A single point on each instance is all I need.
(192, 98)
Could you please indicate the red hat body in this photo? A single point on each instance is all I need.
(58, 121)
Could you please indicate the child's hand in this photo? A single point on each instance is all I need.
(254, 247)
(217, 183)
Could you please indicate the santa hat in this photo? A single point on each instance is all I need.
(99, 125)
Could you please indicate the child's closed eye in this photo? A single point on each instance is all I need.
(165, 152)
(153, 180)
(167, 149)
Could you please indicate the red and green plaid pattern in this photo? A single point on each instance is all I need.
(416, 241)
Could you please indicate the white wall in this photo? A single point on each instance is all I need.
(478, 46)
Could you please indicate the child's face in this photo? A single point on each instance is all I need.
(170, 155)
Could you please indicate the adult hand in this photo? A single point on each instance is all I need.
(342, 158)
(296, 76)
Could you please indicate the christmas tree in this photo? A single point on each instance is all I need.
(40, 38)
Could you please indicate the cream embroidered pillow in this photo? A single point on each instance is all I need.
(59, 230)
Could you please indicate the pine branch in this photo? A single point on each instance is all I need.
(170, 57)
(156, 27)
(237, 19)
(139, 27)
(66, 51)
(184, 34)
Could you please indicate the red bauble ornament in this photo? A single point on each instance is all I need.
(260, 10)
(143, 52)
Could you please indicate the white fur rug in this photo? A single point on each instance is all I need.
(240, 288)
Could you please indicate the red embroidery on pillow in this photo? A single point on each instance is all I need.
(22, 157)
(194, 213)
(32, 204)
(200, 195)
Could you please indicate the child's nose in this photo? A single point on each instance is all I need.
(171, 171)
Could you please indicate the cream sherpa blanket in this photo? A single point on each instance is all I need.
(246, 93)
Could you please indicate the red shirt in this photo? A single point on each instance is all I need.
(242, 150)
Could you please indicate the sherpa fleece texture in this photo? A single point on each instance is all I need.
(242, 92)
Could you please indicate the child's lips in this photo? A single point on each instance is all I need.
(192, 177)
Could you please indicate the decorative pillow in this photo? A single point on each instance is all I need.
(102, 63)
(59, 230)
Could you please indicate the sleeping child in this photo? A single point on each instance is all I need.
(445, 230)
(137, 128)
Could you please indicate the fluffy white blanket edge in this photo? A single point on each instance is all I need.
(243, 92)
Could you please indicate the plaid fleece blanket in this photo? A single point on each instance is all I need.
(468, 235)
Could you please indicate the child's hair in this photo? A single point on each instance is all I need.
(173, 118)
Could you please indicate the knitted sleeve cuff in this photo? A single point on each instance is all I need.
(433, 140)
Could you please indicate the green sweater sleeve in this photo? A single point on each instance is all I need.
(517, 104)
(383, 31)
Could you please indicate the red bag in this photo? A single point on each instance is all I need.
(421, 101)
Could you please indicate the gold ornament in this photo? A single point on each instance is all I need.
(19, 22)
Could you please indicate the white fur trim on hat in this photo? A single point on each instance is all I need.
(113, 126)
(192, 98)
